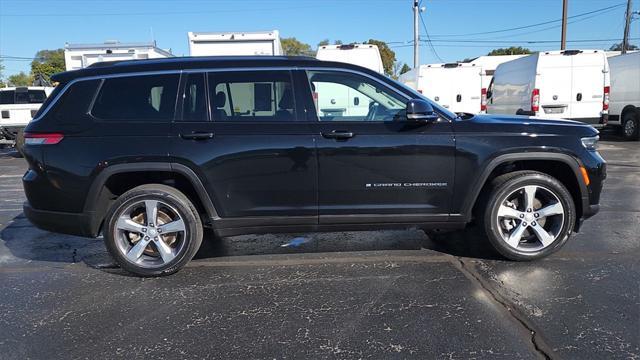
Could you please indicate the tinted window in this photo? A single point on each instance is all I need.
(7, 97)
(137, 98)
(50, 98)
(194, 107)
(342, 96)
(252, 96)
(74, 102)
(22, 96)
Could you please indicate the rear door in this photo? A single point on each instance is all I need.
(554, 82)
(378, 167)
(245, 136)
(587, 90)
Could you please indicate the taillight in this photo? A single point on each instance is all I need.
(605, 98)
(483, 99)
(42, 139)
(535, 100)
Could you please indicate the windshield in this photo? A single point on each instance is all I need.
(416, 94)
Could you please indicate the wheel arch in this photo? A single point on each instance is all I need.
(561, 166)
(116, 179)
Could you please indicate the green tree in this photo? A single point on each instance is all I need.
(618, 47)
(324, 42)
(1, 74)
(388, 55)
(513, 50)
(337, 42)
(293, 47)
(20, 79)
(405, 68)
(47, 63)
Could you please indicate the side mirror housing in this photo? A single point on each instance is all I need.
(420, 110)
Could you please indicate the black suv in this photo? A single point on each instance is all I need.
(147, 153)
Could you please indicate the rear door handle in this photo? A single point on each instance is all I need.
(338, 135)
(197, 136)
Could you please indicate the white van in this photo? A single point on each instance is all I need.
(569, 84)
(489, 64)
(365, 55)
(456, 86)
(234, 43)
(18, 105)
(624, 106)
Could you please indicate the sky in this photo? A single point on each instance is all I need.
(458, 29)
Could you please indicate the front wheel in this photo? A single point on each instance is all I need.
(153, 230)
(529, 215)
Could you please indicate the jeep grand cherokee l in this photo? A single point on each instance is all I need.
(147, 153)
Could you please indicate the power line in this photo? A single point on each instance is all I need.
(524, 41)
(534, 25)
(433, 49)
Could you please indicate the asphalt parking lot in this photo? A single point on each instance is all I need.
(391, 294)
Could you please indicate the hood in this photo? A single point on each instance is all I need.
(532, 125)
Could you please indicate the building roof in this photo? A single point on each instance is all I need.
(184, 63)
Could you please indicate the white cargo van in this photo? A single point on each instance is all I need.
(569, 84)
(489, 64)
(456, 86)
(234, 43)
(365, 55)
(18, 105)
(624, 106)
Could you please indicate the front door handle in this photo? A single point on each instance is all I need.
(338, 135)
(197, 136)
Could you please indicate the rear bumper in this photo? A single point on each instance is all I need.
(78, 224)
(596, 122)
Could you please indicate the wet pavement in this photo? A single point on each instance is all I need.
(387, 294)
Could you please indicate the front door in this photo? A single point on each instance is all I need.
(243, 133)
(376, 166)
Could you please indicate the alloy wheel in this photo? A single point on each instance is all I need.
(530, 218)
(150, 233)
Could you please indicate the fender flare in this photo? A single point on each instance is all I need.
(95, 190)
(573, 163)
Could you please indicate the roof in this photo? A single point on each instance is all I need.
(185, 63)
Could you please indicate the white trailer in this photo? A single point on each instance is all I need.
(18, 105)
(365, 55)
(567, 84)
(456, 86)
(234, 43)
(624, 105)
(79, 56)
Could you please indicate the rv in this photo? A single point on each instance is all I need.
(18, 105)
(624, 105)
(456, 86)
(234, 43)
(365, 55)
(567, 84)
(80, 56)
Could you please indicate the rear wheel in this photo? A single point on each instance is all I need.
(631, 126)
(153, 230)
(529, 215)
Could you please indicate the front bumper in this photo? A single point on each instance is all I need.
(79, 224)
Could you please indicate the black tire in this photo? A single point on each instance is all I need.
(631, 125)
(187, 243)
(506, 185)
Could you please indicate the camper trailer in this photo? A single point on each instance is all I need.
(567, 84)
(79, 56)
(234, 43)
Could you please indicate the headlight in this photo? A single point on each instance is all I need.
(590, 143)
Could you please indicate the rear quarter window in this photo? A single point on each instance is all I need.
(74, 102)
(137, 98)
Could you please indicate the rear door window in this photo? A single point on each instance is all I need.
(194, 106)
(252, 96)
(149, 98)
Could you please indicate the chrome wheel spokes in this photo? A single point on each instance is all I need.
(150, 233)
(530, 218)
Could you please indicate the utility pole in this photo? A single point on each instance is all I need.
(565, 11)
(625, 38)
(416, 35)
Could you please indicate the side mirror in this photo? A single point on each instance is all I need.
(420, 111)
